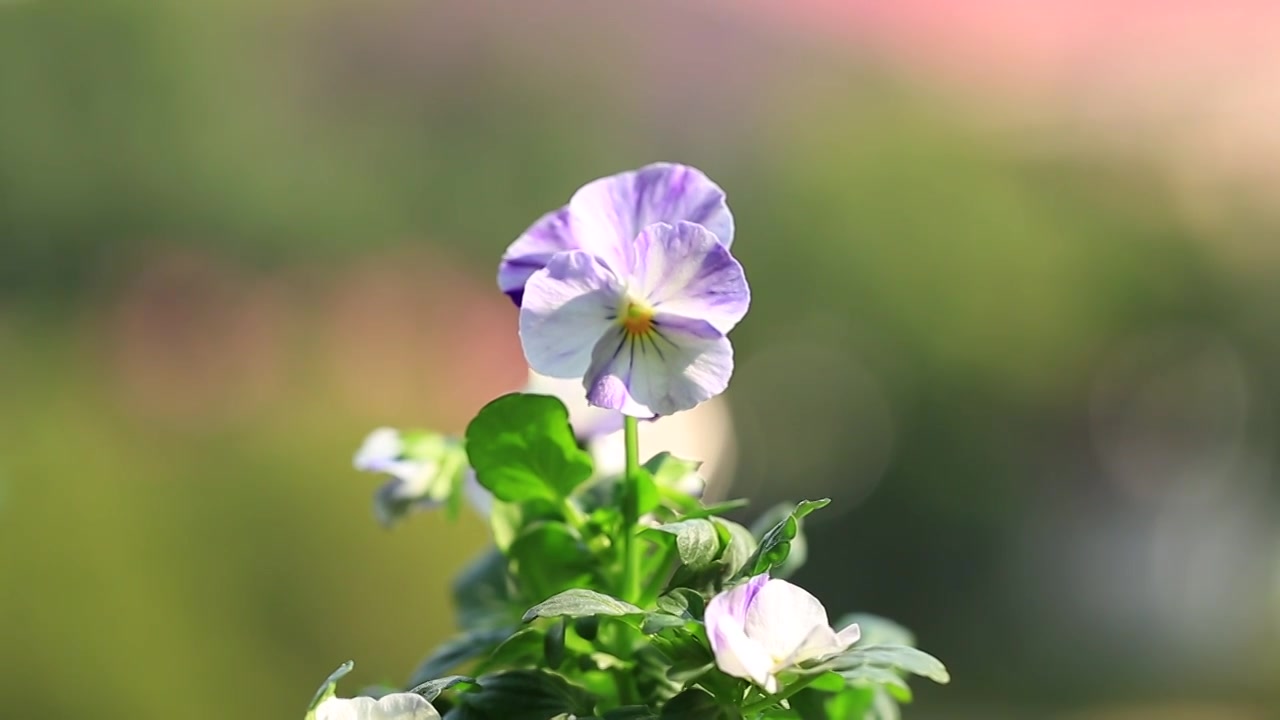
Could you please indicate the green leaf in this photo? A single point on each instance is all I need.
(683, 602)
(897, 657)
(647, 499)
(697, 541)
(580, 603)
(505, 521)
(852, 704)
(548, 557)
(742, 545)
(669, 471)
(524, 695)
(330, 686)
(457, 651)
(522, 447)
(431, 689)
(798, 550)
(775, 545)
(654, 623)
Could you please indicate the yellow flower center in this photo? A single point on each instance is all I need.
(636, 318)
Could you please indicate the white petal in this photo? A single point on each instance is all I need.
(782, 618)
(566, 309)
(380, 446)
(849, 636)
(397, 706)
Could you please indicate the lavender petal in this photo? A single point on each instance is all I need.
(568, 306)
(682, 269)
(532, 251)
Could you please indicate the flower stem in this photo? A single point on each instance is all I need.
(631, 512)
(772, 700)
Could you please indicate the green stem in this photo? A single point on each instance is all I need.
(772, 700)
(631, 513)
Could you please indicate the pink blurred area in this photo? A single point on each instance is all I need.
(1191, 87)
(1051, 46)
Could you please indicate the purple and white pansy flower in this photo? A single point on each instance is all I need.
(606, 214)
(644, 325)
(631, 287)
(764, 627)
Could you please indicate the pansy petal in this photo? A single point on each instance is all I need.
(568, 306)
(783, 616)
(532, 251)
(683, 269)
(740, 656)
(609, 376)
(731, 605)
(608, 213)
(821, 642)
(397, 706)
(681, 363)
(849, 636)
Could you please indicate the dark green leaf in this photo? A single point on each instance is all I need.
(457, 651)
(740, 548)
(524, 695)
(580, 603)
(798, 550)
(522, 447)
(553, 645)
(483, 595)
(630, 712)
(697, 704)
(524, 648)
(685, 672)
(431, 689)
(776, 542)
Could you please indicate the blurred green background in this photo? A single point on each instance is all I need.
(1016, 319)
